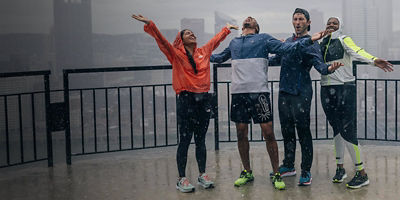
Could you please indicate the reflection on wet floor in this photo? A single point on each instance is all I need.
(151, 174)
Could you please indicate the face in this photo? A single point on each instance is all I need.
(188, 37)
(249, 22)
(300, 23)
(332, 24)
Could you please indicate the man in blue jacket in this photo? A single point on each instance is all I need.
(295, 94)
(250, 92)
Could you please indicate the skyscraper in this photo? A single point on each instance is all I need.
(197, 26)
(369, 23)
(220, 21)
(73, 33)
(317, 20)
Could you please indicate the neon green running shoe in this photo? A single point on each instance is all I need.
(244, 178)
(277, 182)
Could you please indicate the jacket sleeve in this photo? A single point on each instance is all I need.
(275, 60)
(162, 43)
(221, 57)
(216, 40)
(278, 47)
(314, 57)
(356, 52)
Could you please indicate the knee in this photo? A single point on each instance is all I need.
(242, 136)
(269, 136)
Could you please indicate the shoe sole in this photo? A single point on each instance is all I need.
(358, 186)
(206, 186)
(286, 174)
(306, 183)
(185, 191)
(244, 183)
(280, 188)
(341, 180)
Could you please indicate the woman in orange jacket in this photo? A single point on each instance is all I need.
(191, 82)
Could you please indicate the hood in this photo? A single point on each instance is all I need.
(178, 43)
(337, 33)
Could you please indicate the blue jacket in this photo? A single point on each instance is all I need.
(296, 65)
(250, 60)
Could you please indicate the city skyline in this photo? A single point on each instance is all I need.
(113, 17)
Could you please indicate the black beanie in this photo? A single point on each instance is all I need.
(305, 13)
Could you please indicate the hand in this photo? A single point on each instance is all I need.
(282, 40)
(321, 34)
(230, 26)
(141, 18)
(334, 66)
(383, 64)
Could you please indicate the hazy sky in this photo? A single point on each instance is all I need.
(113, 16)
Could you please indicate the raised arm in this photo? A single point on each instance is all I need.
(162, 43)
(279, 47)
(221, 57)
(218, 38)
(360, 54)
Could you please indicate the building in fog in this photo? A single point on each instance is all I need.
(197, 26)
(220, 21)
(317, 21)
(369, 23)
(73, 33)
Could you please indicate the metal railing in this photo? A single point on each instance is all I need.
(107, 141)
(26, 136)
(110, 119)
(365, 109)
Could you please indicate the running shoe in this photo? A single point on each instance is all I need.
(205, 181)
(244, 178)
(358, 181)
(277, 181)
(305, 178)
(340, 175)
(184, 185)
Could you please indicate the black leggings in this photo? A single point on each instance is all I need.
(193, 118)
(339, 104)
(294, 113)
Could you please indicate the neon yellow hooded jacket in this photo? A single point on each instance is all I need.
(338, 47)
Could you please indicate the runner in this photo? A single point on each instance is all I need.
(338, 98)
(191, 82)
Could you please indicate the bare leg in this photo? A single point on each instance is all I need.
(243, 144)
(271, 144)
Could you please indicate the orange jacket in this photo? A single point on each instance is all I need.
(183, 76)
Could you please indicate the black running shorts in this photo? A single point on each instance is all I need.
(245, 106)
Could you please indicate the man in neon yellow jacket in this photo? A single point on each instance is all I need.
(338, 98)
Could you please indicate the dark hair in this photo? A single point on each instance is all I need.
(190, 57)
(305, 13)
(257, 29)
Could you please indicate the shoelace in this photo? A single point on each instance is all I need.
(205, 177)
(278, 178)
(184, 182)
(304, 174)
(243, 174)
(355, 177)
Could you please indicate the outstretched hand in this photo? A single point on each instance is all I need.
(230, 26)
(384, 65)
(320, 35)
(141, 18)
(334, 66)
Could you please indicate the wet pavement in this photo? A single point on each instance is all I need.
(151, 174)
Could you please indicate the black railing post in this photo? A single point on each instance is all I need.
(355, 107)
(67, 121)
(215, 109)
(48, 127)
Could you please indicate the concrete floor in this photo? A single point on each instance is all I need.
(151, 174)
